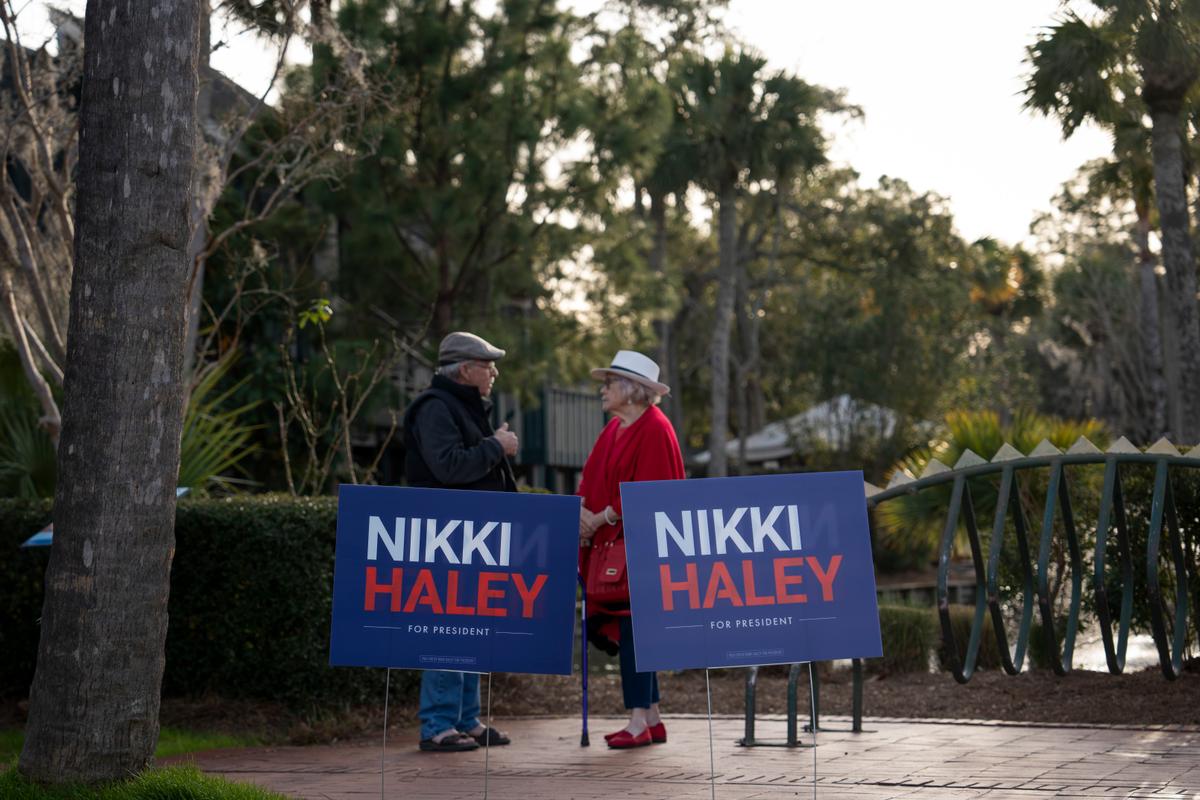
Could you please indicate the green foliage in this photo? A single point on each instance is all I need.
(910, 636)
(454, 221)
(914, 523)
(318, 313)
(1138, 487)
(27, 457)
(11, 742)
(21, 575)
(171, 742)
(1097, 362)
(250, 602)
(962, 617)
(215, 438)
(172, 783)
(178, 741)
(28, 462)
(1040, 657)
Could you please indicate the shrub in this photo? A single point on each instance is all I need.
(909, 637)
(250, 604)
(1039, 656)
(22, 572)
(962, 617)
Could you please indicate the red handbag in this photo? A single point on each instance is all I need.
(607, 580)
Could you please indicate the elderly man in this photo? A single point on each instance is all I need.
(450, 444)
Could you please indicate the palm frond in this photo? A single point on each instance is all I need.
(915, 522)
(27, 456)
(215, 439)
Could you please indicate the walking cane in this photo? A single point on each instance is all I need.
(583, 657)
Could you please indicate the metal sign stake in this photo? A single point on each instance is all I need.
(383, 750)
(487, 738)
(812, 698)
(712, 761)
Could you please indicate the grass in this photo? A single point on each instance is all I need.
(172, 783)
(171, 742)
(11, 740)
(176, 741)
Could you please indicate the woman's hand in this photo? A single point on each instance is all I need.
(589, 523)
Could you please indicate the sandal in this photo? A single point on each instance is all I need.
(451, 743)
(491, 738)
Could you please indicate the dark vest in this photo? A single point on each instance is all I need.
(470, 414)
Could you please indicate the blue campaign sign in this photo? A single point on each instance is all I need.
(770, 569)
(460, 580)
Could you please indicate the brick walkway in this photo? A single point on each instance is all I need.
(895, 759)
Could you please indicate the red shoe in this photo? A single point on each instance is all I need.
(608, 736)
(624, 739)
(658, 733)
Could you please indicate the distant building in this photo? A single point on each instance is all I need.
(833, 425)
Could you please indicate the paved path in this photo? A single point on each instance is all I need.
(942, 760)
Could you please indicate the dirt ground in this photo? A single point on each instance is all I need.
(1139, 698)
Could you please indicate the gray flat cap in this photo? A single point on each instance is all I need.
(463, 346)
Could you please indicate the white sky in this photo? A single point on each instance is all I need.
(939, 82)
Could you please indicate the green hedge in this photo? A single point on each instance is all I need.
(251, 597)
(22, 572)
(909, 637)
(962, 617)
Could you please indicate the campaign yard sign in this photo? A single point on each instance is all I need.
(771, 569)
(459, 580)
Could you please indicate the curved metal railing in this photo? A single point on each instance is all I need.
(1011, 466)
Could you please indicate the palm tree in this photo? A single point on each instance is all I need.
(913, 524)
(95, 694)
(743, 127)
(720, 104)
(1137, 57)
(793, 144)
(1130, 174)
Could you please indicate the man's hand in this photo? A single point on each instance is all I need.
(507, 440)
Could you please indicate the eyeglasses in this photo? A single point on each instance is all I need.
(490, 366)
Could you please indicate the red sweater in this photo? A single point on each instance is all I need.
(645, 451)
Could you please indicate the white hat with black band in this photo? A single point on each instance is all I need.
(635, 367)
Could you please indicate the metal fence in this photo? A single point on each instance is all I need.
(1165, 539)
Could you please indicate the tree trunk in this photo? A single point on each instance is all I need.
(1171, 192)
(722, 325)
(95, 695)
(743, 367)
(207, 190)
(674, 408)
(662, 325)
(1149, 337)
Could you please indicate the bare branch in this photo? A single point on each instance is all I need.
(39, 349)
(51, 418)
(17, 226)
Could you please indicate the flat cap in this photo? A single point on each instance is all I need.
(463, 346)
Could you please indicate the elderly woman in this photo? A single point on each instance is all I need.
(638, 444)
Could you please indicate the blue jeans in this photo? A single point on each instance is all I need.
(448, 700)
